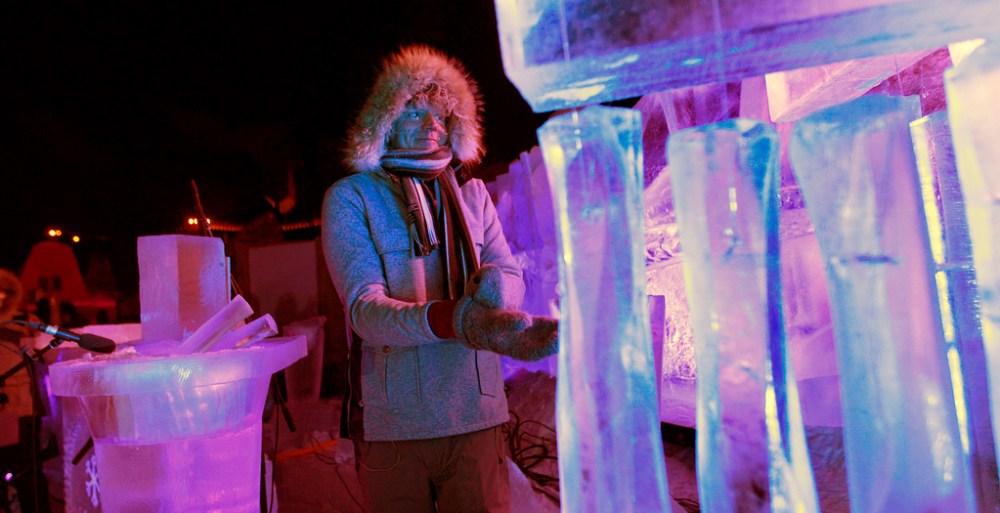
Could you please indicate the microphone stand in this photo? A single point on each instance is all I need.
(29, 357)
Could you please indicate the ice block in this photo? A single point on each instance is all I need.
(569, 53)
(795, 93)
(955, 278)
(973, 117)
(608, 430)
(751, 437)
(178, 433)
(856, 168)
(183, 281)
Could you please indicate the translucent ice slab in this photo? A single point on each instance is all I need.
(567, 53)
(794, 94)
(610, 446)
(951, 248)
(973, 112)
(750, 433)
(181, 433)
(858, 176)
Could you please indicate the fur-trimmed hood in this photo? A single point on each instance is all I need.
(412, 70)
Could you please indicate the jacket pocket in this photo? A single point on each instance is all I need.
(488, 370)
(404, 274)
(390, 376)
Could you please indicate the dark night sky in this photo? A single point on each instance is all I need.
(109, 113)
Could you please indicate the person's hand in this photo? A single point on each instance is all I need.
(511, 333)
(487, 287)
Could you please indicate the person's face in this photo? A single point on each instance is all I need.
(419, 127)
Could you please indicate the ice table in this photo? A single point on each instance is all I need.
(177, 433)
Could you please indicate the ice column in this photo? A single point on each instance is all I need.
(956, 284)
(973, 111)
(610, 447)
(856, 169)
(726, 181)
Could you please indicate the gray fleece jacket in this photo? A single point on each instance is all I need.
(414, 385)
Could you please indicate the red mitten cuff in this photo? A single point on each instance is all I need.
(439, 317)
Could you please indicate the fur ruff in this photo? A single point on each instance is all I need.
(409, 71)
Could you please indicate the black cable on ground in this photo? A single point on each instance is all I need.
(528, 450)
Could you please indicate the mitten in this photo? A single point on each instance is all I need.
(507, 332)
(488, 287)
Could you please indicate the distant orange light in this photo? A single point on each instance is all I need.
(54, 232)
(193, 221)
(76, 238)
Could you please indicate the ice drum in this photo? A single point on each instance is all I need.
(177, 433)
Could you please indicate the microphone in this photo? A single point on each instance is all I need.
(87, 341)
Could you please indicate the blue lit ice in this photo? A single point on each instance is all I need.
(951, 247)
(610, 448)
(972, 113)
(570, 53)
(750, 433)
(857, 172)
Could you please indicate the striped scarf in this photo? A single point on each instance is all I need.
(434, 207)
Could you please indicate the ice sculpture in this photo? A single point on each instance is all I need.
(973, 115)
(608, 430)
(856, 168)
(750, 435)
(569, 53)
(181, 433)
(183, 280)
(956, 284)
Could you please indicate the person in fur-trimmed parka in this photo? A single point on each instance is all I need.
(431, 293)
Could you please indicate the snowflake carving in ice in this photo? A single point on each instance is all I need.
(93, 485)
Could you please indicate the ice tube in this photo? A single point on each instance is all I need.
(726, 182)
(973, 108)
(246, 335)
(218, 325)
(856, 169)
(608, 430)
(955, 278)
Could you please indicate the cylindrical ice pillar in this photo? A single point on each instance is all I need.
(177, 434)
(955, 278)
(608, 429)
(726, 180)
(974, 116)
(856, 168)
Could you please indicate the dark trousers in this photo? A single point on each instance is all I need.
(457, 474)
